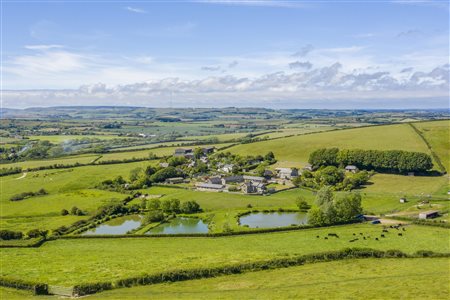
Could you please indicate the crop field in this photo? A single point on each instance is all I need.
(67, 262)
(295, 150)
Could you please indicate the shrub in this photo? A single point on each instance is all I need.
(190, 207)
(154, 216)
(10, 235)
(64, 212)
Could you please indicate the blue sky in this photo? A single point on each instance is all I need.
(296, 54)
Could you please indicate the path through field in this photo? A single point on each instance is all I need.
(23, 176)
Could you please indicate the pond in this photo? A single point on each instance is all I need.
(180, 225)
(120, 225)
(273, 219)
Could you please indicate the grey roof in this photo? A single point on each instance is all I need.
(351, 167)
(210, 186)
(255, 178)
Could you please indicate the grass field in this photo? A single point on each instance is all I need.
(67, 262)
(65, 138)
(438, 135)
(82, 159)
(295, 150)
(378, 278)
(419, 278)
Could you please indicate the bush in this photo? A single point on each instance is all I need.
(35, 233)
(190, 207)
(154, 216)
(64, 212)
(10, 235)
(25, 195)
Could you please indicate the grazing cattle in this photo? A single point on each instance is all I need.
(376, 239)
(317, 236)
(385, 230)
(382, 235)
(400, 234)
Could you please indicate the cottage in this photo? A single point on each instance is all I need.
(254, 178)
(351, 168)
(287, 173)
(429, 214)
(174, 180)
(210, 187)
(164, 165)
(184, 152)
(215, 180)
(233, 179)
(253, 187)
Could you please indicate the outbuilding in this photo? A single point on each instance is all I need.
(429, 214)
(351, 168)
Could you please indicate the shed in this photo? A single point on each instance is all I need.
(174, 180)
(403, 200)
(209, 186)
(429, 214)
(351, 168)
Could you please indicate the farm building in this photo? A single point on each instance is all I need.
(233, 179)
(188, 153)
(228, 168)
(308, 167)
(287, 173)
(174, 180)
(429, 214)
(254, 178)
(209, 186)
(253, 187)
(268, 174)
(215, 180)
(208, 150)
(164, 165)
(403, 200)
(351, 168)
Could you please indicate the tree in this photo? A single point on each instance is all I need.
(324, 195)
(316, 217)
(348, 207)
(134, 174)
(170, 206)
(64, 212)
(198, 152)
(35, 233)
(190, 207)
(154, 216)
(301, 203)
(269, 156)
(154, 204)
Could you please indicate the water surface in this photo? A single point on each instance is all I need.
(120, 225)
(180, 225)
(273, 219)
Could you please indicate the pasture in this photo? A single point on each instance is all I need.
(294, 151)
(73, 261)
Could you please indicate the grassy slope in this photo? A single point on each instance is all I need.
(438, 135)
(380, 279)
(82, 159)
(296, 150)
(66, 262)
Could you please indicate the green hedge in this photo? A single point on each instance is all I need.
(36, 288)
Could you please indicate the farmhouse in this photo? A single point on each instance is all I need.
(287, 173)
(429, 214)
(174, 180)
(253, 187)
(351, 168)
(233, 179)
(209, 187)
(268, 174)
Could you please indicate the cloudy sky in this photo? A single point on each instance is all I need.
(278, 54)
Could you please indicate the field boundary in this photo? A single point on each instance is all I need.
(200, 273)
(433, 154)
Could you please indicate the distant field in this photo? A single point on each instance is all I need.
(438, 135)
(82, 159)
(65, 138)
(422, 278)
(295, 150)
(67, 262)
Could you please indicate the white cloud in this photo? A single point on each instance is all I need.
(43, 47)
(136, 10)
(256, 3)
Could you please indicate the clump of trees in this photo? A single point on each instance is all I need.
(396, 161)
(332, 210)
(158, 209)
(35, 233)
(25, 195)
(10, 235)
(332, 176)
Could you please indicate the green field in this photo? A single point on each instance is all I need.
(438, 135)
(418, 278)
(378, 278)
(68, 262)
(64, 138)
(295, 150)
(82, 159)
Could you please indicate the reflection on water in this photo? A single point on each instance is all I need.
(273, 219)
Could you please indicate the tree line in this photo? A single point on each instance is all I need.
(392, 161)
